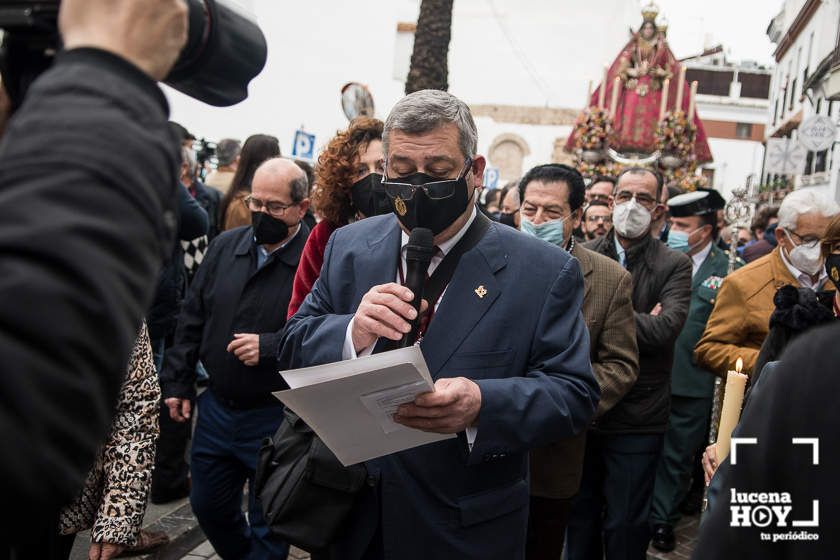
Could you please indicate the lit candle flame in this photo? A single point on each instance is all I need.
(739, 365)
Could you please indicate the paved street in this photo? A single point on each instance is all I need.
(686, 531)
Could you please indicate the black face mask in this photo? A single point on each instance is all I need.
(368, 196)
(268, 230)
(832, 268)
(508, 219)
(425, 212)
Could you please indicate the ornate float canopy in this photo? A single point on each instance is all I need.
(643, 113)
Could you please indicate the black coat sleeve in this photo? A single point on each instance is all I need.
(194, 222)
(178, 376)
(656, 331)
(88, 169)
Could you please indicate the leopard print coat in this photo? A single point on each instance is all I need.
(113, 500)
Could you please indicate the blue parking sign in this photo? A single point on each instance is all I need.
(491, 178)
(304, 145)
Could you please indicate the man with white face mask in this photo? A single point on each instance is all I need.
(741, 318)
(623, 448)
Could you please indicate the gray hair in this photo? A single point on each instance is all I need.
(805, 201)
(428, 109)
(299, 188)
(227, 150)
(188, 157)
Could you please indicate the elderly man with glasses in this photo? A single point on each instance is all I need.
(232, 319)
(623, 449)
(740, 320)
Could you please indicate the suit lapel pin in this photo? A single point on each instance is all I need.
(481, 291)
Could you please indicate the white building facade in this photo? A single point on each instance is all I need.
(522, 65)
(805, 33)
(732, 102)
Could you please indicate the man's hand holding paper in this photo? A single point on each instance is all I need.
(451, 408)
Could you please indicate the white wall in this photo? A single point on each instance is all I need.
(735, 160)
(824, 28)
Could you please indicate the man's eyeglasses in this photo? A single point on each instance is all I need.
(642, 198)
(809, 241)
(272, 207)
(436, 190)
(599, 219)
(529, 210)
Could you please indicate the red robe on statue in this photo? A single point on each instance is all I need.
(642, 66)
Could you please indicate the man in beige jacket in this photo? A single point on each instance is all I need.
(740, 320)
(552, 204)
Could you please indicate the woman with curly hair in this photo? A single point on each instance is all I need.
(349, 188)
(257, 149)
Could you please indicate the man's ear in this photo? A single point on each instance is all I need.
(577, 218)
(658, 211)
(478, 165)
(782, 239)
(304, 206)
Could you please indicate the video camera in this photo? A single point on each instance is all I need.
(225, 49)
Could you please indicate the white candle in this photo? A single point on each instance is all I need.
(614, 100)
(692, 100)
(733, 398)
(588, 94)
(680, 86)
(663, 105)
(602, 91)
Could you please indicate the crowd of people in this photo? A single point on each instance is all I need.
(255, 286)
(574, 347)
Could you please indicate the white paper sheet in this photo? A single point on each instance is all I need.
(349, 404)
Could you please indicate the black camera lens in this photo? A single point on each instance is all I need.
(225, 49)
(224, 52)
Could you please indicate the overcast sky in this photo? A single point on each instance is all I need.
(740, 25)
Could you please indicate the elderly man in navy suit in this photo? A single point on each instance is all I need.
(506, 345)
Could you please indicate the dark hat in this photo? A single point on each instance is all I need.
(697, 203)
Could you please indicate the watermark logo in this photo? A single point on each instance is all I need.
(772, 510)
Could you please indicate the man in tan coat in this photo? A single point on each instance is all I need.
(740, 320)
(552, 203)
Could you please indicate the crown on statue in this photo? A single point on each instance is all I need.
(650, 12)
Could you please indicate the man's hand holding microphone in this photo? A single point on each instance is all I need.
(386, 312)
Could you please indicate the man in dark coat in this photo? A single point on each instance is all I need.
(797, 399)
(623, 449)
(232, 319)
(693, 231)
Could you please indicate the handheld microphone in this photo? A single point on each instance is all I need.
(418, 255)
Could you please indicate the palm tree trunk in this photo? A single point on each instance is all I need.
(429, 67)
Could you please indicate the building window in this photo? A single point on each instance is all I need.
(743, 130)
(792, 94)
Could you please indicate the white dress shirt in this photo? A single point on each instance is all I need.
(699, 258)
(349, 351)
(803, 278)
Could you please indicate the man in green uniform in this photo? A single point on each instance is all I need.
(693, 231)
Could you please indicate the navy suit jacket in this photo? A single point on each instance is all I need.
(524, 343)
